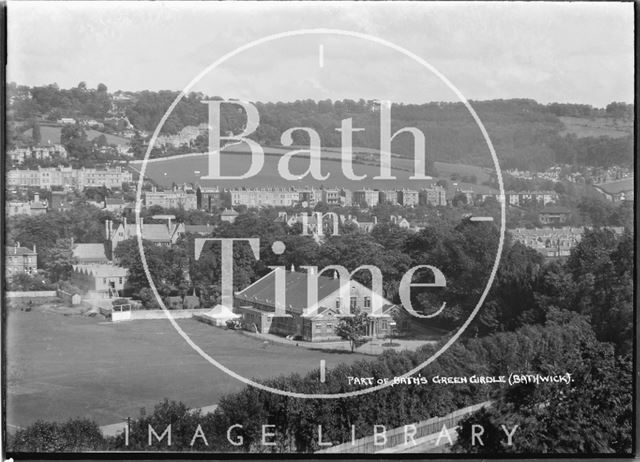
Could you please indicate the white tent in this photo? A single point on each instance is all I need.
(220, 314)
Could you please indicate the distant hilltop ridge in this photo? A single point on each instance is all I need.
(527, 135)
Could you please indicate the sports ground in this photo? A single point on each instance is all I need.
(61, 366)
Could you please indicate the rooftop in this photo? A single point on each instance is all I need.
(615, 187)
(89, 252)
(263, 290)
(101, 271)
(15, 250)
(555, 210)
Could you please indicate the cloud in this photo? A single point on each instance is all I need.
(545, 51)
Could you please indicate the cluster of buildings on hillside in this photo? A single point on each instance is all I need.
(568, 173)
(186, 136)
(528, 197)
(44, 152)
(552, 174)
(553, 242)
(69, 178)
(600, 175)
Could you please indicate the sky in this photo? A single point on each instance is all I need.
(550, 52)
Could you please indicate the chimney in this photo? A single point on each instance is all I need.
(34, 248)
(169, 224)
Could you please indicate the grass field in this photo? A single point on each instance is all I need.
(601, 126)
(51, 134)
(191, 169)
(66, 366)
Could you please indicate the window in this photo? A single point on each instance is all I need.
(354, 302)
(384, 325)
(120, 280)
(318, 327)
(338, 303)
(367, 302)
(329, 327)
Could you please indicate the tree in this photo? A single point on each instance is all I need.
(75, 435)
(58, 260)
(459, 199)
(36, 135)
(353, 328)
(591, 414)
(27, 282)
(184, 424)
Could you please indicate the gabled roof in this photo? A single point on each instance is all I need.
(101, 271)
(114, 201)
(555, 210)
(89, 252)
(13, 250)
(156, 232)
(198, 229)
(38, 205)
(263, 290)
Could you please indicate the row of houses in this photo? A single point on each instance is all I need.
(46, 152)
(527, 197)
(211, 198)
(31, 207)
(68, 177)
(60, 202)
(553, 242)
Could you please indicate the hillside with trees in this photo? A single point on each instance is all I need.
(526, 134)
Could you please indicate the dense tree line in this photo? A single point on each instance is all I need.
(54, 102)
(593, 415)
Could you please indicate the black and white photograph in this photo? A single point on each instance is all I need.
(318, 229)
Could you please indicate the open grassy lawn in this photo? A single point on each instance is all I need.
(51, 134)
(599, 126)
(66, 366)
(190, 169)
